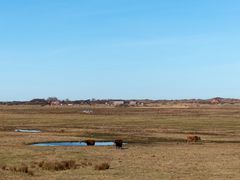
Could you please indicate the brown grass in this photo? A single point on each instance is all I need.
(103, 166)
(156, 137)
(85, 164)
(57, 165)
(30, 172)
(21, 169)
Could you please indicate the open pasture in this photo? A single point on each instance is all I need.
(156, 142)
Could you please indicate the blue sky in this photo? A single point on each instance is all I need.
(157, 49)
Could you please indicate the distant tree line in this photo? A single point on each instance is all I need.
(55, 100)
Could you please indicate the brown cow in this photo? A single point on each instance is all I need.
(193, 139)
(118, 143)
(90, 142)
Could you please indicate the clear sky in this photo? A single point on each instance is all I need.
(157, 49)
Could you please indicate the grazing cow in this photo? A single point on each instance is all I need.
(90, 142)
(193, 139)
(118, 143)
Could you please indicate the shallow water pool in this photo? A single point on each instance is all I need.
(28, 130)
(77, 143)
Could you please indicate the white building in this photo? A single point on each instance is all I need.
(117, 103)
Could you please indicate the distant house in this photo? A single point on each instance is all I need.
(132, 103)
(124, 103)
(216, 100)
(117, 103)
(54, 103)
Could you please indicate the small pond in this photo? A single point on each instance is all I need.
(76, 143)
(28, 130)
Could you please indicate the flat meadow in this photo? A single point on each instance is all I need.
(156, 142)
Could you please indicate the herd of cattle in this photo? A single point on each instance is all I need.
(119, 143)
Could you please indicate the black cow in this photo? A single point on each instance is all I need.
(90, 142)
(118, 143)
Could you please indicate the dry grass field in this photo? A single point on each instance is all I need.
(156, 142)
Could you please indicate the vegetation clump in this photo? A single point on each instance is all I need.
(103, 166)
(22, 169)
(57, 165)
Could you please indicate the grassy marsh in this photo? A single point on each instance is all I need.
(156, 136)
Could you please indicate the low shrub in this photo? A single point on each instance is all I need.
(4, 167)
(22, 169)
(40, 164)
(58, 165)
(103, 166)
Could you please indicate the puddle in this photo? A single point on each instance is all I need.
(28, 130)
(77, 143)
(87, 111)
